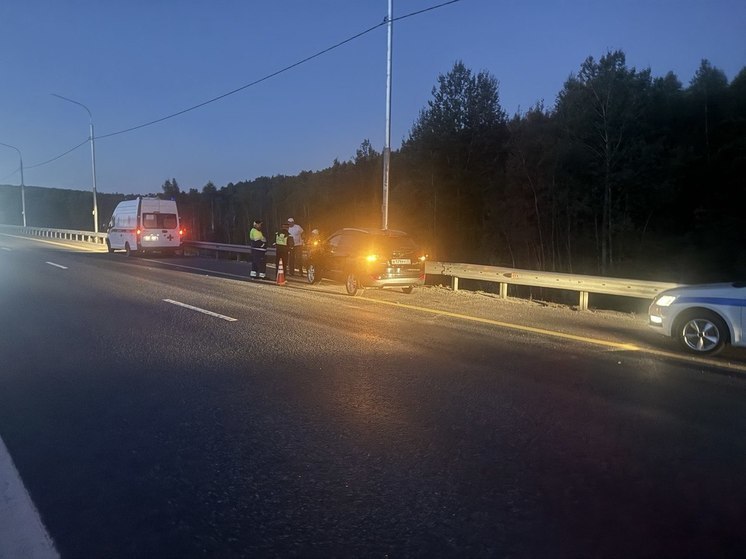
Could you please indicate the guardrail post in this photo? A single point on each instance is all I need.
(583, 303)
(503, 290)
(454, 283)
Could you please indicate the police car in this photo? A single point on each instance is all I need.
(702, 318)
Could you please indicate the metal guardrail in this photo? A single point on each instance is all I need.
(217, 248)
(69, 234)
(570, 282)
(584, 285)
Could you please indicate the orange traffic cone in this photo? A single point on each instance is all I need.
(280, 274)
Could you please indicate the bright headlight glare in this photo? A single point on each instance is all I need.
(372, 258)
(665, 300)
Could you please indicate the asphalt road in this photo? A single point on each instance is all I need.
(299, 421)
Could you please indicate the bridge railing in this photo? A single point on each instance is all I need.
(581, 284)
(69, 234)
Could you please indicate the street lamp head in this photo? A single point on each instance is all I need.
(73, 101)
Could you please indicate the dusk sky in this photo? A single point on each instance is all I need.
(135, 61)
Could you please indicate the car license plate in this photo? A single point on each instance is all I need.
(399, 261)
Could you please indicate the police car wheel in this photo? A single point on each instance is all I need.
(702, 332)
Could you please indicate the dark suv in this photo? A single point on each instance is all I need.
(368, 258)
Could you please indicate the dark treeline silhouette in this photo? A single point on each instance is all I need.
(626, 175)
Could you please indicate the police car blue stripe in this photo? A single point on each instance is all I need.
(722, 301)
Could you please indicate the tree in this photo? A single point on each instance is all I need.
(707, 89)
(171, 189)
(598, 110)
(366, 153)
(457, 148)
(531, 215)
(209, 193)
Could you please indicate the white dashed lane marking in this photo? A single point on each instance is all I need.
(203, 311)
(57, 265)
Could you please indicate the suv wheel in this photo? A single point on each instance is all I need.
(313, 274)
(408, 290)
(351, 284)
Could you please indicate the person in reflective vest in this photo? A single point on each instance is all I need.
(258, 243)
(283, 246)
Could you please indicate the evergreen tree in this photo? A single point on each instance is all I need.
(458, 148)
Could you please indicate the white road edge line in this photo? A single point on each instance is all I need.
(58, 265)
(203, 311)
(5, 248)
(22, 533)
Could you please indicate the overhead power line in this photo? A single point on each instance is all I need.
(234, 91)
(251, 84)
(48, 161)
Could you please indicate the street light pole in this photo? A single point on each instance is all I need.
(387, 141)
(93, 159)
(23, 187)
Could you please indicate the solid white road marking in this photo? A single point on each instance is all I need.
(5, 248)
(58, 265)
(203, 311)
(22, 533)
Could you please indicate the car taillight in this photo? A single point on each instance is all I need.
(182, 231)
(138, 232)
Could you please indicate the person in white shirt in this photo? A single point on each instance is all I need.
(296, 232)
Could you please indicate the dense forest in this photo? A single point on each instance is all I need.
(626, 175)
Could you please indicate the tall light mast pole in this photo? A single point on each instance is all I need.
(387, 140)
(93, 159)
(23, 187)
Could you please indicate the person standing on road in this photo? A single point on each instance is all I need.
(296, 231)
(258, 243)
(283, 246)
